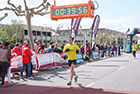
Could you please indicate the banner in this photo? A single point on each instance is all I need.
(74, 26)
(16, 63)
(44, 61)
(94, 28)
(95, 54)
(79, 58)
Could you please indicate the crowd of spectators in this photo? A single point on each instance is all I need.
(104, 50)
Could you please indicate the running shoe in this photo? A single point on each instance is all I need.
(21, 77)
(33, 74)
(75, 79)
(31, 78)
(69, 83)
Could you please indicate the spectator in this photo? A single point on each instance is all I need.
(26, 60)
(50, 50)
(105, 49)
(113, 50)
(56, 48)
(82, 49)
(102, 50)
(63, 46)
(116, 47)
(36, 44)
(1, 44)
(98, 46)
(119, 52)
(24, 43)
(61, 50)
(5, 56)
(17, 50)
(108, 49)
(51, 43)
(40, 49)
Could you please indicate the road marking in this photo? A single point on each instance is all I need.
(121, 68)
(90, 84)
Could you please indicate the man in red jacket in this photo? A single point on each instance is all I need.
(17, 50)
(26, 60)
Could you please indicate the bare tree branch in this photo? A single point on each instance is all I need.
(44, 7)
(3, 16)
(42, 14)
(26, 7)
(44, 1)
(14, 10)
(8, 2)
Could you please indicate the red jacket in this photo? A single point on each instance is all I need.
(17, 50)
(26, 55)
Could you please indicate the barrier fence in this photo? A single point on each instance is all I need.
(43, 61)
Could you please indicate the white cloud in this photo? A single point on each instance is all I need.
(121, 24)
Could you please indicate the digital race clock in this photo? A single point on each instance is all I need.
(72, 11)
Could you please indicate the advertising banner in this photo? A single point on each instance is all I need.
(94, 27)
(95, 54)
(74, 26)
(44, 61)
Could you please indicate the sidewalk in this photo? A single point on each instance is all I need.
(30, 89)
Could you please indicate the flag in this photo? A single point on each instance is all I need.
(74, 26)
(94, 28)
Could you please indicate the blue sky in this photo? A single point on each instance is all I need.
(115, 14)
(119, 14)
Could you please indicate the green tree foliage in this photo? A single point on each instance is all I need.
(4, 35)
(108, 40)
(15, 30)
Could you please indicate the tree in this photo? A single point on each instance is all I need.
(1, 32)
(4, 35)
(28, 13)
(15, 30)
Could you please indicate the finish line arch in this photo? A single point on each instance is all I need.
(129, 39)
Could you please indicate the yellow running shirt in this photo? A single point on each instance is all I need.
(72, 52)
(134, 48)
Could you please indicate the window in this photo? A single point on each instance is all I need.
(38, 33)
(79, 33)
(61, 33)
(48, 33)
(34, 33)
(66, 33)
(44, 33)
(25, 32)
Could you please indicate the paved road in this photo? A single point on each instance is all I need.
(117, 73)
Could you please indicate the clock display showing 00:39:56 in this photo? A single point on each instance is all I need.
(70, 11)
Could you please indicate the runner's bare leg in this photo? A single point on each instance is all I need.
(72, 72)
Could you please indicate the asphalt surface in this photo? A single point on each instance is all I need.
(117, 75)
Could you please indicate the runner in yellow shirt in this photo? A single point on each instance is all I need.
(71, 50)
(134, 48)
